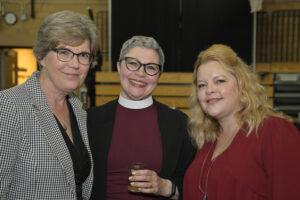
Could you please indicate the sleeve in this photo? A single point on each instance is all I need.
(186, 156)
(281, 157)
(8, 144)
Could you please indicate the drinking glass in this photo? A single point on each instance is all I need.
(134, 166)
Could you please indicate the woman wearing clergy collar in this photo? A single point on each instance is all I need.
(136, 128)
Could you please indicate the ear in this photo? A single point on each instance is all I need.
(119, 68)
(41, 62)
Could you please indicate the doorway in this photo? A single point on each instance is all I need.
(16, 66)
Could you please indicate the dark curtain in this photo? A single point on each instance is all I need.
(206, 22)
(183, 27)
(155, 18)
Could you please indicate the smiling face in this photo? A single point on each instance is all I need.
(217, 91)
(63, 77)
(137, 85)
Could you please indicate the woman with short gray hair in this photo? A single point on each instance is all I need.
(137, 128)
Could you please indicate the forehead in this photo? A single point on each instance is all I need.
(84, 45)
(143, 54)
(212, 67)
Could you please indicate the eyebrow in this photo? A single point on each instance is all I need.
(65, 48)
(218, 76)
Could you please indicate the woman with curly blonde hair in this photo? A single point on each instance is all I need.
(246, 150)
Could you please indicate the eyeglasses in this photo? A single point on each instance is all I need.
(66, 55)
(133, 64)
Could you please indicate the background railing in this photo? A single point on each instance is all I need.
(278, 36)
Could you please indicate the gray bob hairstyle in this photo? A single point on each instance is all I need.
(65, 27)
(143, 41)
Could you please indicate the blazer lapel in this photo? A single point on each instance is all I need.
(57, 143)
(49, 128)
(81, 118)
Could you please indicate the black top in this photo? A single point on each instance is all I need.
(78, 152)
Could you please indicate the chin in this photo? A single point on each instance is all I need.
(137, 97)
(213, 114)
(71, 89)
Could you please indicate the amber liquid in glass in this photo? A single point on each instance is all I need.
(134, 166)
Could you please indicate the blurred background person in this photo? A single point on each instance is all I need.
(44, 149)
(136, 128)
(246, 149)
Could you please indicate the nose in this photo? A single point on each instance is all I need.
(75, 62)
(141, 71)
(210, 88)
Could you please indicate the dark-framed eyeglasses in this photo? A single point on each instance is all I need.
(66, 55)
(133, 64)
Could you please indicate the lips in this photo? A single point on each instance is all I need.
(72, 75)
(212, 100)
(137, 83)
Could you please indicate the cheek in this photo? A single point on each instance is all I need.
(85, 71)
(230, 91)
(200, 96)
(123, 76)
(153, 81)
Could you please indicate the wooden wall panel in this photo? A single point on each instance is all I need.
(173, 88)
(23, 33)
(272, 5)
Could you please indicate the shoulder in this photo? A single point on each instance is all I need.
(14, 105)
(104, 110)
(278, 128)
(273, 123)
(15, 95)
(13, 92)
(167, 113)
(173, 113)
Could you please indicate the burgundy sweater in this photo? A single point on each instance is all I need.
(136, 138)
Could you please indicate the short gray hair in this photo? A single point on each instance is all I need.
(65, 27)
(143, 41)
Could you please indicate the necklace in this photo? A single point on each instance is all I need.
(204, 190)
(65, 127)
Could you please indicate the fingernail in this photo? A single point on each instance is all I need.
(130, 178)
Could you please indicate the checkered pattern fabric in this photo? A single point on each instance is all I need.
(34, 160)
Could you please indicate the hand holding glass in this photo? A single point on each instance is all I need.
(134, 166)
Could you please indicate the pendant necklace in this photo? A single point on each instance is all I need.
(204, 190)
(65, 127)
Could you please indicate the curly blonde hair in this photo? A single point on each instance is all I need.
(253, 97)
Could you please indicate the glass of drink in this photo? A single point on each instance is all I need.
(134, 166)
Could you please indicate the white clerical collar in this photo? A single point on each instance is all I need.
(135, 104)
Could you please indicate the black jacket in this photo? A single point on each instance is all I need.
(178, 151)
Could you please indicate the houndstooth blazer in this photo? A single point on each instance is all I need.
(34, 160)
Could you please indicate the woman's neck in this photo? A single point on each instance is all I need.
(55, 98)
(228, 126)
